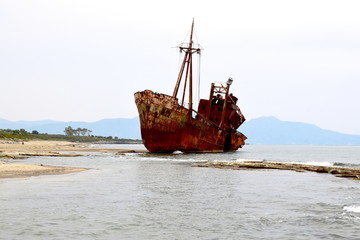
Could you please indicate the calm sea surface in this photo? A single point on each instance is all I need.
(157, 196)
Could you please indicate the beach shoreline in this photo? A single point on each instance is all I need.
(12, 150)
(20, 170)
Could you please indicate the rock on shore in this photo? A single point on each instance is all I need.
(344, 172)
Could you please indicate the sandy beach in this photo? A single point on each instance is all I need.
(16, 170)
(10, 150)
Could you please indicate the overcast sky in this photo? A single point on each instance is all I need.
(82, 60)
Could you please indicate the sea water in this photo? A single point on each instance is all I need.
(162, 196)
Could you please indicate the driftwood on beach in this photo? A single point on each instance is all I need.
(344, 172)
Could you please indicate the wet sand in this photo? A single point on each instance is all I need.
(16, 150)
(17, 170)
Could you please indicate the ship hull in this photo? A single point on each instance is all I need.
(168, 127)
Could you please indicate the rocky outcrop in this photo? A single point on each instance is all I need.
(344, 172)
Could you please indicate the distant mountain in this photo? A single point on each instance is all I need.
(270, 130)
(23, 124)
(119, 127)
(262, 130)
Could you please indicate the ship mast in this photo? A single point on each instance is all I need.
(187, 67)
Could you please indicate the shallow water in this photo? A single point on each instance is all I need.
(160, 196)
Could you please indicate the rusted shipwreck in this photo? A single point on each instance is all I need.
(168, 124)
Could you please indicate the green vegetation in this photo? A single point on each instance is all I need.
(77, 135)
(69, 131)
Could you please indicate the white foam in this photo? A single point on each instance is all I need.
(352, 208)
(251, 160)
(325, 164)
(328, 164)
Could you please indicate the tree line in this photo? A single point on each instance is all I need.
(69, 131)
(71, 134)
(18, 131)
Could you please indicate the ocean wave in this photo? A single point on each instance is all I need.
(328, 164)
(163, 158)
(248, 160)
(351, 165)
(352, 208)
(314, 163)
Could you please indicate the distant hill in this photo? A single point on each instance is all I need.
(118, 127)
(262, 130)
(270, 130)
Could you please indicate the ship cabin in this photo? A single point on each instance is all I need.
(213, 109)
